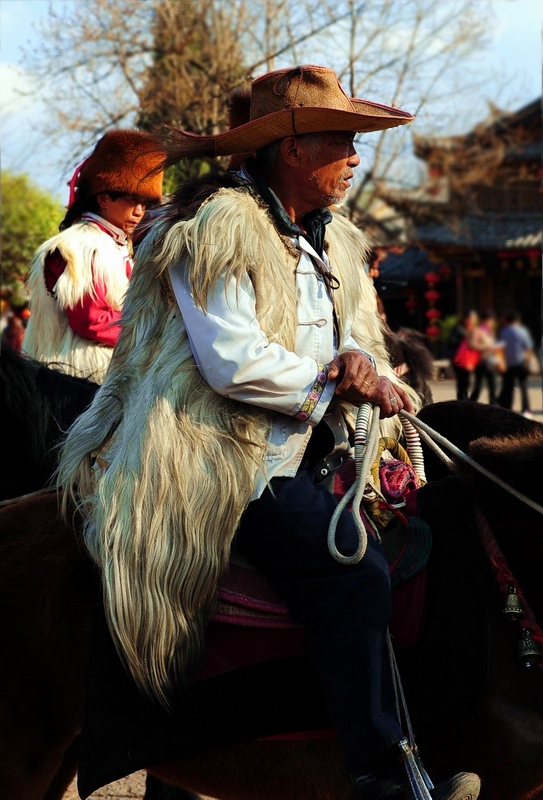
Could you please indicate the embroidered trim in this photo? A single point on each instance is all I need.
(314, 395)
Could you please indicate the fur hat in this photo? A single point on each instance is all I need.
(288, 102)
(126, 161)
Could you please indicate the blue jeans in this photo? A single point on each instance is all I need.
(346, 609)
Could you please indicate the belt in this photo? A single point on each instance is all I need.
(324, 467)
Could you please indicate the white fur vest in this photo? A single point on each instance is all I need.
(91, 256)
(180, 460)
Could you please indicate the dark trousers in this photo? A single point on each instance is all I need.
(512, 374)
(463, 378)
(345, 609)
(482, 374)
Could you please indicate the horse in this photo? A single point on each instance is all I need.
(50, 588)
(49, 597)
(37, 405)
(412, 359)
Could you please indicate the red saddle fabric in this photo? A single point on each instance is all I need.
(252, 623)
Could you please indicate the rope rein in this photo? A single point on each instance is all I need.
(429, 434)
(366, 445)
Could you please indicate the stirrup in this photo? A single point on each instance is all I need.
(418, 777)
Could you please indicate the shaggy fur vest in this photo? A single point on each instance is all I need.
(91, 256)
(178, 461)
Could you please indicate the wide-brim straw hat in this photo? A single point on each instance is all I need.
(289, 102)
(126, 161)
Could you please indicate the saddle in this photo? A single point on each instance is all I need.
(248, 601)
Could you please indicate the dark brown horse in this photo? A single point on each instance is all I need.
(38, 404)
(49, 595)
(50, 603)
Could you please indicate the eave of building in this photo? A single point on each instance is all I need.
(488, 233)
(504, 123)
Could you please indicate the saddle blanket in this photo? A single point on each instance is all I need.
(252, 623)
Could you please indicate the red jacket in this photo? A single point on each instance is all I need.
(93, 318)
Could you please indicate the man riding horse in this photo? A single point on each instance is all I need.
(250, 334)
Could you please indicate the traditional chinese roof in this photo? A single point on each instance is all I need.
(408, 267)
(498, 124)
(488, 232)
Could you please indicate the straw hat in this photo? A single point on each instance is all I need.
(287, 102)
(126, 161)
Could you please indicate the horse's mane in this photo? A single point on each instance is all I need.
(409, 347)
(38, 403)
(516, 458)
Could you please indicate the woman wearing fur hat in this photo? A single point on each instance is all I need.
(250, 330)
(79, 277)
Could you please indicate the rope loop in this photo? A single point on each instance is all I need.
(366, 443)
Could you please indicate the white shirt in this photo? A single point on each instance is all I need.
(238, 361)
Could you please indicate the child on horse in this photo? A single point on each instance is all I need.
(79, 277)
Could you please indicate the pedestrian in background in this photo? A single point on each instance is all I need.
(14, 332)
(518, 348)
(491, 361)
(466, 358)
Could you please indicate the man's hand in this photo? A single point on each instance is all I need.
(357, 383)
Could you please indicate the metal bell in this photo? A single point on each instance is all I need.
(528, 650)
(513, 608)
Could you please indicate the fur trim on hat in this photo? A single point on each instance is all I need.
(126, 161)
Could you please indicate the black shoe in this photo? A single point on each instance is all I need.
(464, 786)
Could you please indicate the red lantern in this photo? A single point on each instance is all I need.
(432, 296)
(433, 313)
(433, 331)
(431, 278)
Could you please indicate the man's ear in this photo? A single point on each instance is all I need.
(290, 151)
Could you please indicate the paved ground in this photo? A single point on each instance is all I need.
(446, 390)
(133, 787)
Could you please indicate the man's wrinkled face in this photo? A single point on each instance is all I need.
(331, 160)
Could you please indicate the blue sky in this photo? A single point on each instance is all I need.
(514, 57)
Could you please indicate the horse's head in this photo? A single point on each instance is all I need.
(517, 459)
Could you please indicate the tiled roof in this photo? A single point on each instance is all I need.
(408, 267)
(491, 232)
